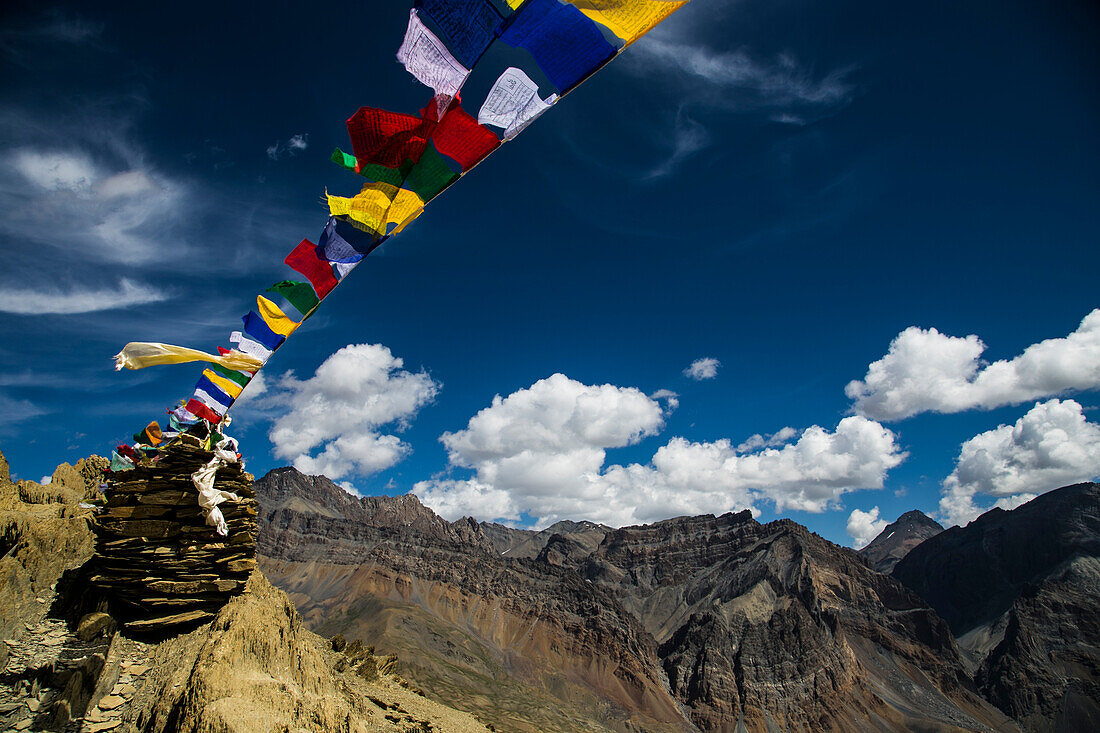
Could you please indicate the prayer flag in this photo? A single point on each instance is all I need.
(299, 295)
(231, 388)
(255, 327)
(468, 26)
(378, 205)
(430, 175)
(201, 410)
(342, 242)
(141, 354)
(218, 397)
(387, 138)
(241, 378)
(274, 317)
(459, 137)
(567, 46)
(628, 19)
(427, 59)
(513, 103)
(250, 346)
(305, 260)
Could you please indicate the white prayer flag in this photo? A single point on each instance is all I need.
(513, 103)
(427, 59)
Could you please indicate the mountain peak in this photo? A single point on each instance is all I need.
(895, 542)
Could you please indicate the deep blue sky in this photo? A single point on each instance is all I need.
(781, 186)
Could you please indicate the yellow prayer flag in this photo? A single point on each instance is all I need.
(228, 386)
(377, 205)
(141, 354)
(274, 317)
(628, 19)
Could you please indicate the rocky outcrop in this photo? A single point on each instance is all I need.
(701, 622)
(157, 563)
(43, 532)
(254, 668)
(1020, 588)
(895, 542)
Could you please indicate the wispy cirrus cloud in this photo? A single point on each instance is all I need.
(292, 146)
(709, 78)
(40, 301)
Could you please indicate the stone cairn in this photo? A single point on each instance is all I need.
(157, 563)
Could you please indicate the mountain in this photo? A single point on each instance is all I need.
(1021, 590)
(513, 542)
(696, 623)
(895, 542)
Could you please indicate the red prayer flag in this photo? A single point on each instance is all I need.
(305, 260)
(200, 410)
(459, 137)
(387, 138)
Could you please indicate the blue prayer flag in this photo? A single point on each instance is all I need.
(256, 328)
(566, 44)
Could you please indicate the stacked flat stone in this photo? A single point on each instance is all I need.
(157, 562)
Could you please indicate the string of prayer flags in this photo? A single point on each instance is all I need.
(408, 160)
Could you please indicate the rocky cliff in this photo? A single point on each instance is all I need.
(1020, 588)
(710, 623)
(895, 542)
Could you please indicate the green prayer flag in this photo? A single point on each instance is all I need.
(430, 176)
(233, 376)
(300, 295)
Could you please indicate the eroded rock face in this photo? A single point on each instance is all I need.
(771, 625)
(43, 532)
(1021, 589)
(707, 622)
(895, 542)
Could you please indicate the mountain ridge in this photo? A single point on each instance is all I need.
(629, 634)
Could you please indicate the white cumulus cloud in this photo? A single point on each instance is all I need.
(704, 368)
(864, 527)
(341, 408)
(541, 452)
(927, 371)
(1051, 446)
